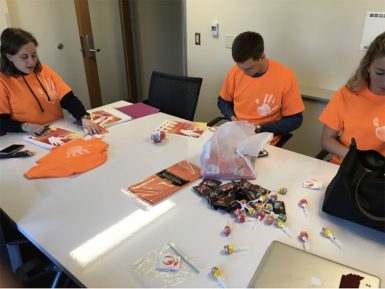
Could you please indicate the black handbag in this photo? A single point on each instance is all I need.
(357, 192)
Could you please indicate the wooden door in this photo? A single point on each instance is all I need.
(95, 79)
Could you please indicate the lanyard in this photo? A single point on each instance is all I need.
(34, 95)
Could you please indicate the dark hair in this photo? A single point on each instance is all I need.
(247, 45)
(12, 39)
(360, 78)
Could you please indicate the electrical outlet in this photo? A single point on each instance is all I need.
(197, 38)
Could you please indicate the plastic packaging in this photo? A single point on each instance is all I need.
(147, 267)
(227, 154)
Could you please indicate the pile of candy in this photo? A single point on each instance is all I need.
(242, 198)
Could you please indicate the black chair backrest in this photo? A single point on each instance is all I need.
(174, 94)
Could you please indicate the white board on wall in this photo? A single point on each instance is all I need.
(373, 26)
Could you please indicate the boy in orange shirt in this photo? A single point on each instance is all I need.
(358, 109)
(32, 94)
(260, 90)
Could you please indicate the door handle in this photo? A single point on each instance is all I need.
(86, 43)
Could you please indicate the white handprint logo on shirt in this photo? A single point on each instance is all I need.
(380, 130)
(266, 107)
(51, 89)
(77, 151)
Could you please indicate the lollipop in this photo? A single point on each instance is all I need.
(280, 190)
(270, 220)
(281, 224)
(326, 232)
(303, 203)
(230, 249)
(239, 215)
(258, 218)
(304, 237)
(216, 274)
(227, 230)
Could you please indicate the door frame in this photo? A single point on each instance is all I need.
(89, 51)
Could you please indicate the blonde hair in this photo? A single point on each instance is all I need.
(360, 78)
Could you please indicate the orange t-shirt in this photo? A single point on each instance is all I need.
(17, 100)
(263, 99)
(360, 115)
(74, 157)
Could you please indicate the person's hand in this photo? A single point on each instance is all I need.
(91, 127)
(233, 118)
(34, 129)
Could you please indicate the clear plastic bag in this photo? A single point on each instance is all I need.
(148, 268)
(227, 154)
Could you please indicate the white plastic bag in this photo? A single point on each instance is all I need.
(227, 154)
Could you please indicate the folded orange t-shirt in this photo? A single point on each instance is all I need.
(72, 158)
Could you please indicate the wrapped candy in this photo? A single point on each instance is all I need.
(312, 184)
(216, 274)
(327, 233)
(281, 224)
(303, 203)
(158, 136)
(304, 237)
(230, 249)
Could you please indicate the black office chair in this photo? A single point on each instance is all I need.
(30, 267)
(279, 144)
(174, 94)
(323, 155)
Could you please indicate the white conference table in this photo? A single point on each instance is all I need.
(95, 232)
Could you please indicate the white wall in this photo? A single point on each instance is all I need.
(4, 17)
(158, 38)
(318, 39)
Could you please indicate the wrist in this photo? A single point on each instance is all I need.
(86, 116)
(24, 126)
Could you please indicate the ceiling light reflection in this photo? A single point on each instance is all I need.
(111, 237)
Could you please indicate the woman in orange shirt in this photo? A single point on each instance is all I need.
(32, 94)
(358, 109)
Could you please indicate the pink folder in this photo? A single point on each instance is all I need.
(138, 110)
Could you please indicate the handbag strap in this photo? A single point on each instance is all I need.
(367, 214)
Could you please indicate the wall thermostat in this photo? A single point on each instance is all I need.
(215, 29)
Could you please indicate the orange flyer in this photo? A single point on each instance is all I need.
(104, 118)
(164, 183)
(55, 136)
(184, 128)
